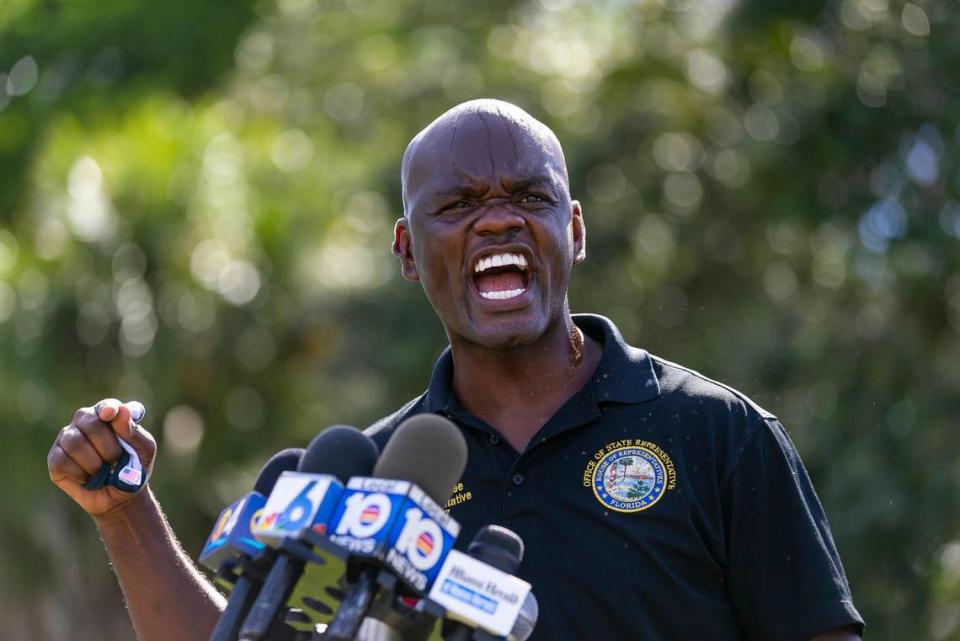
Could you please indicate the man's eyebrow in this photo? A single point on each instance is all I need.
(474, 188)
(458, 189)
(533, 181)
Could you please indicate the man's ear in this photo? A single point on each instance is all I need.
(579, 233)
(403, 249)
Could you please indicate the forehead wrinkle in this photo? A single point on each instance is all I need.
(453, 141)
(486, 128)
(513, 140)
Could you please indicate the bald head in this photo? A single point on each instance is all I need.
(478, 129)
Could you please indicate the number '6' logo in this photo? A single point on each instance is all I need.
(298, 512)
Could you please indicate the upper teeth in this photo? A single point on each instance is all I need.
(499, 260)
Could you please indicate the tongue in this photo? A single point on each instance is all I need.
(499, 282)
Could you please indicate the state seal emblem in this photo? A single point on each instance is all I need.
(630, 476)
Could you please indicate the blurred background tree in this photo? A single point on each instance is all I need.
(196, 202)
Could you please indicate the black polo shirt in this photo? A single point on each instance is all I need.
(656, 505)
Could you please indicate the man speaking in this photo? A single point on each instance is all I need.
(656, 504)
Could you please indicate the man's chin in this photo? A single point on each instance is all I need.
(507, 334)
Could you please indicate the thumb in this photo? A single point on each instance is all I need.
(125, 426)
(122, 423)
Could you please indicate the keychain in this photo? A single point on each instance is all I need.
(126, 473)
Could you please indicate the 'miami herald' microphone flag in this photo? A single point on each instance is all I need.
(480, 593)
(295, 517)
(393, 524)
(239, 560)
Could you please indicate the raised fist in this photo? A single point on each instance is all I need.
(82, 447)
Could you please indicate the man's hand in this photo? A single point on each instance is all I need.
(82, 447)
(167, 597)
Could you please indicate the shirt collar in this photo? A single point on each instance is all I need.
(625, 373)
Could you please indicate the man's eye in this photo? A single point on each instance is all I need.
(460, 204)
(532, 198)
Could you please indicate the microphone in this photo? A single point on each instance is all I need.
(239, 560)
(428, 451)
(526, 619)
(521, 631)
(295, 516)
(393, 524)
(483, 600)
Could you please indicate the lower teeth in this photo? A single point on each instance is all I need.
(510, 293)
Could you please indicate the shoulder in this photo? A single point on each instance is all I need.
(714, 415)
(381, 430)
(684, 386)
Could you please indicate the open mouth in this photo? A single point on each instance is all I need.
(501, 276)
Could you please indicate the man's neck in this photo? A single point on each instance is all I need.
(517, 390)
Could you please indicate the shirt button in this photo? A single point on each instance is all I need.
(494, 439)
(518, 479)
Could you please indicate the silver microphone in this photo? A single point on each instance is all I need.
(526, 619)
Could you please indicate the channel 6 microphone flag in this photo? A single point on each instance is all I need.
(232, 534)
(294, 522)
(239, 560)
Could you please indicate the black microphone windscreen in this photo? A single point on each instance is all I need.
(497, 546)
(427, 450)
(283, 461)
(340, 451)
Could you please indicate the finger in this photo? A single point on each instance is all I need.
(107, 409)
(122, 424)
(145, 446)
(100, 435)
(79, 449)
(62, 468)
(140, 439)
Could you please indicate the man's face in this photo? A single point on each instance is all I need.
(490, 231)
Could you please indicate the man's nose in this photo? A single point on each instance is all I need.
(497, 219)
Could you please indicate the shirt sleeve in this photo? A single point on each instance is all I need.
(785, 578)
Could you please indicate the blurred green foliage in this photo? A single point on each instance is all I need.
(196, 202)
